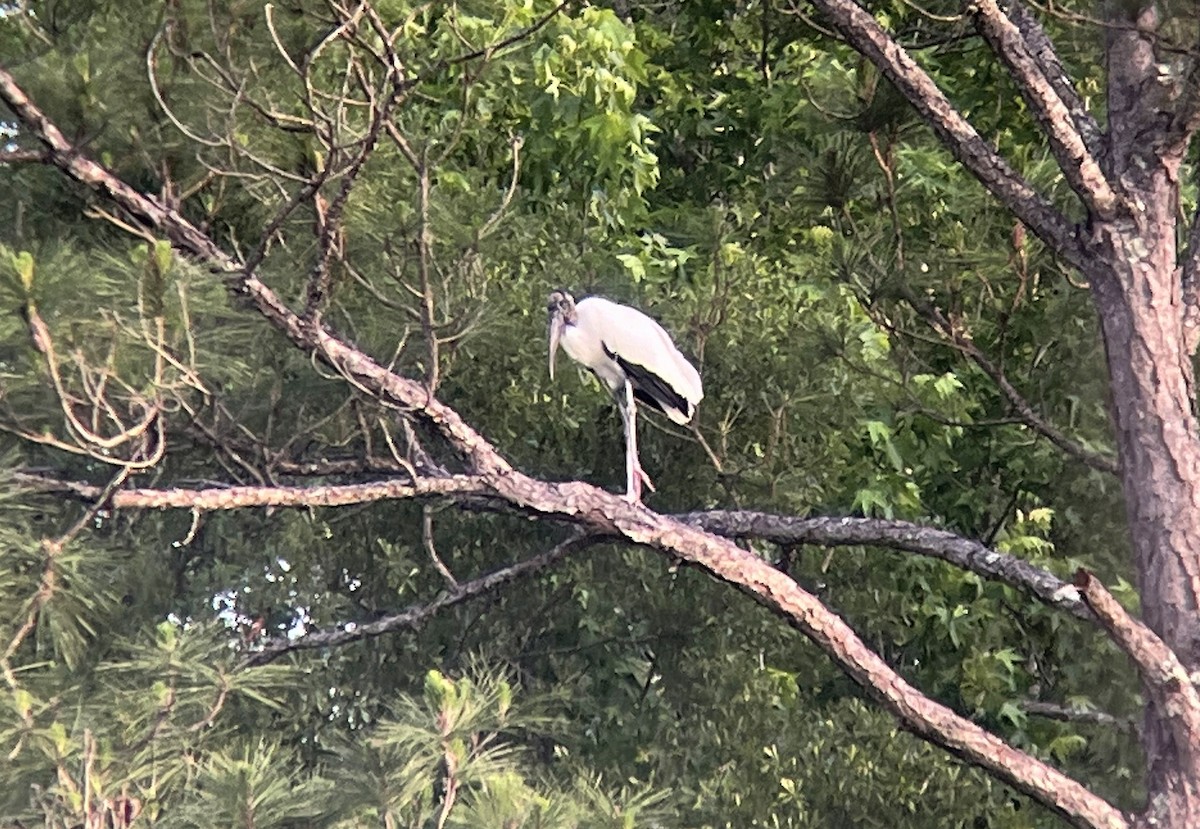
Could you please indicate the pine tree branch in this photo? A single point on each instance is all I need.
(962, 341)
(966, 553)
(1043, 52)
(902, 536)
(356, 367)
(63, 154)
(243, 497)
(1067, 713)
(22, 156)
(1078, 164)
(596, 512)
(414, 617)
(1172, 690)
(865, 35)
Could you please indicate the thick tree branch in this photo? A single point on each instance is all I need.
(1171, 688)
(895, 535)
(777, 529)
(417, 615)
(242, 497)
(597, 512)
(64, 155)
(924, 717)
(861, 30)
(1079, 165)
(1044, 53)
(22, 156)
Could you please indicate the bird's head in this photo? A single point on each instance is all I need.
(561, 308)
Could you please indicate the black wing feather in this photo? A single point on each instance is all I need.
(649, 388)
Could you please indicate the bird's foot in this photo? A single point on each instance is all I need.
(639, 479)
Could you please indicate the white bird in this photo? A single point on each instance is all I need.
(634, 358)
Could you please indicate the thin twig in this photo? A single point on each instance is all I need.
(427, 541)
(963, 343)
(417, 615)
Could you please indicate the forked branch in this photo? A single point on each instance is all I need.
(902, 536)
(864, 33)
(1075, 159)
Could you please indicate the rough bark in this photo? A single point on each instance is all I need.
(475, 492)
(897, 535)
(1142, 319)
(1132, 268)
(1167, 681)
(1074, 158)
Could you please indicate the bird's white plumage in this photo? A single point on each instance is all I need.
(603, 328)
(634, 357)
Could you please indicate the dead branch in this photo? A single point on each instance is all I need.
(17, 155)
(243, 497)
(330, 220)
(415, 616)
(431, 549)
(486, 229)
(970, 555)
(903, 536)
(142, 439)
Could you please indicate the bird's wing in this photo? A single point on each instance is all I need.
(639, 342)
(652, 391)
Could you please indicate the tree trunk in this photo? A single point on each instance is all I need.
(1135, 284)
(1140, 308)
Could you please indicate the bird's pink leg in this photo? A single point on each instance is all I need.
(635, 476)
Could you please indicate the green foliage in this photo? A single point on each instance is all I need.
(757, 188)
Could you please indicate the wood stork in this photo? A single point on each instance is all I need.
(634, 358)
